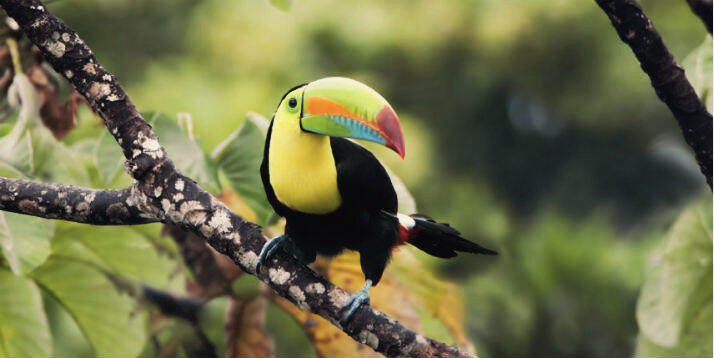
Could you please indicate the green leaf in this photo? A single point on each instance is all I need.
(239, 157)
(261, 122)
(52, 160)
(16, 151)
(44, 146)
(676, 299)
(8, 171)
(16, 147)
(25, 240)
(699, 70)
(695, 342)
(119, 250)
(105, 315)
(108, 158)
(284, 5)
(31, 149)
(186, 154)
(24, 331)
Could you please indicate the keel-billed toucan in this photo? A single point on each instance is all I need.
(333, 193)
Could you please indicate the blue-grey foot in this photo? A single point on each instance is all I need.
(358, 299)
(269, 249)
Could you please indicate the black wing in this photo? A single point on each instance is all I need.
(362, 180)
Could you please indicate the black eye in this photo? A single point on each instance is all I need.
(292, 103)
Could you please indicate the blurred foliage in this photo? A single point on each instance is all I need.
(529, 126)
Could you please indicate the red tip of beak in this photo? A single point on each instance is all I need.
(388, 122)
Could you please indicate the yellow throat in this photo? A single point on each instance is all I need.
(302, 168)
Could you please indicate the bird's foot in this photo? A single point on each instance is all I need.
(269, 249)
(358, 299)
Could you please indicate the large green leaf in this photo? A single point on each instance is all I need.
(24, 331)
(185, 153)
(239, 157)
(105, 315)
(25, 240)
(108, 158)
(676, 299)
(119, 250)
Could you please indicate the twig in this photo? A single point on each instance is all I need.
(203, 264)
(173, 198)
(185, 308)
(666, 75)
(703, 9)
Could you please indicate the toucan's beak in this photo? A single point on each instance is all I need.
(341, 107)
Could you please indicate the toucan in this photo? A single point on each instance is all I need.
(333, 193)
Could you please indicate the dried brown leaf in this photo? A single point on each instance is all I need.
(245, 333)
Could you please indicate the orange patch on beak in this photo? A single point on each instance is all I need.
(323, 106)
(386, 124)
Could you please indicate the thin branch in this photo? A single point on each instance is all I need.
(185, 308)
(66, 202)
(203, 263)
(666, 75)
(174, 198)
(703, 9)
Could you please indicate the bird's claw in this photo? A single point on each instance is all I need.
(268, 251)
(356, 300)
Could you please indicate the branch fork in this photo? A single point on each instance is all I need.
(162, 194)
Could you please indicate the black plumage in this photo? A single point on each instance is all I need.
(358, 224)
(366, 221)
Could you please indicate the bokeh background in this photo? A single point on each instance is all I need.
(529, 126)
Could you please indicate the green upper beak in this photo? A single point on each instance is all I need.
(342, 107)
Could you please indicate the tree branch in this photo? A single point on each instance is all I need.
(203, 263)
(66, 202)
(703, 9)
(187, 309)
(174, 198)
(169, 305)
(666, 75)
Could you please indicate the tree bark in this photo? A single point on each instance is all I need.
(66, 202)
(666, 75)
(166, 195)
(703, 9)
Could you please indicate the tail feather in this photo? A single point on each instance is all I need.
(437, 239)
